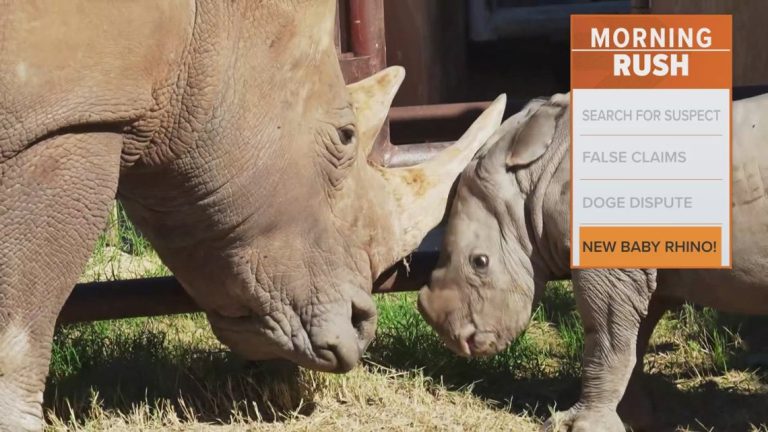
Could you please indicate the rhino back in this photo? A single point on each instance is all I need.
(744, 289)
(79, 64)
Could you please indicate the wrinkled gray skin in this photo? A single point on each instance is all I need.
(227, 131)
(512, 205)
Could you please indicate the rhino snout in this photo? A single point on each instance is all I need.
(482, 343)
(443, 307)
(328, 337)
(340, 343)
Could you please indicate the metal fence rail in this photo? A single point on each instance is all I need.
(96, 301)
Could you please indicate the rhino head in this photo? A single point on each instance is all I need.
(264, 204)
(507, 233)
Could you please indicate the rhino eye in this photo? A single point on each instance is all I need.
(479, 261)
(346, 135)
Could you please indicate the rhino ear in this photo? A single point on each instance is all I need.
(371, 98)
(534, 136)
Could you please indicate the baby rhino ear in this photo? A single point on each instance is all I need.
(533, 136)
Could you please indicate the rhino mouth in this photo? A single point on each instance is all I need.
(329, 348)
(472, 342)
(466, 340)
(334, 361)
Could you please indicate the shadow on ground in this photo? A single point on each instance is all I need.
(123, 369)
(708, 406)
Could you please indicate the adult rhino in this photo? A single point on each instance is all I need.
(508, 234)
(227, 132)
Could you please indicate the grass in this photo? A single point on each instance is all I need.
(122, 253)
(170, 373)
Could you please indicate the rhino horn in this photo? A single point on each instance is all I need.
(371, 98)
(421, 192)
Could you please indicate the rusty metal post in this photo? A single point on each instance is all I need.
(362, 36)
(365, 38)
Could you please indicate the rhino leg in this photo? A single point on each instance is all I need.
(612, 304)
(636, 407)
(54, 200)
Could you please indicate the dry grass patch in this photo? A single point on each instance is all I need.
(367, 399)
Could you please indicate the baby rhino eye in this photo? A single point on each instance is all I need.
(479, 261)
(346, 135)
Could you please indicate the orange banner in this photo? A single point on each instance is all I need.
(631, 75)
(650, 247)
(651, 51)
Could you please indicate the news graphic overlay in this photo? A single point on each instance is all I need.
(651, 141)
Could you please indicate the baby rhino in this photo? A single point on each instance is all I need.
(508, 234)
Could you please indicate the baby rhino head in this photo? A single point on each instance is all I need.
(483, 290)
